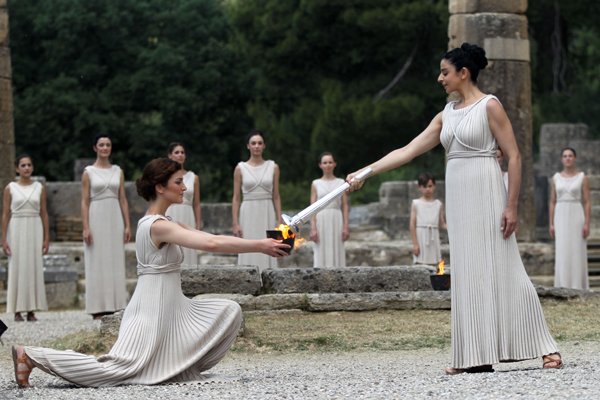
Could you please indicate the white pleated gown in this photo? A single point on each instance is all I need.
(329, 251)
(428, 233)
(184, 213)
(105, 258)
(496, 313)
(164, 336)
(571, 265)
(257, 212)
(26, 290)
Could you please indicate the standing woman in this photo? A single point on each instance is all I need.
(329, 230)
(570, 223)
(106, 229)
(258, 180)
(187, 212)
(496, 312)
(25, 239)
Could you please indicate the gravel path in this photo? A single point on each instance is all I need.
(356, 375)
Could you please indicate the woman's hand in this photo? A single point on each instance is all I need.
(87, 237)
(274, 248)
(6, 248)
(354, 185)
(237, 231)
(552, 232)
(127, 235)
(345, 234)
(586, 231)
(416, 250)
(314, 235)
(45, 246)
(509, 221)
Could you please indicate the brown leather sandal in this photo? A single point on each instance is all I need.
(31, 317)
(547, 360)
(19, 317)
(23, 383)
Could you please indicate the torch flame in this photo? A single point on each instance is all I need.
(441, 268)
(287, 233)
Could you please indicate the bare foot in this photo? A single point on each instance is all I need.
(23, 366)
(552, 361)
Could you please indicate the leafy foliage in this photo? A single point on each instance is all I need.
(146, 72)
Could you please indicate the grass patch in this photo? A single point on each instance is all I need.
(363, 331)
(85, 342)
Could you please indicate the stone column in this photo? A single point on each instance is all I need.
(7, 135)
(500, 27)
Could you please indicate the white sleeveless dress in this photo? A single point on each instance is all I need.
(164, 336)
(105, 257)
(428, 234)
(496, 313)
(257, 213)
(571, 266)
(25, 236)
(329, 251)
(184, 213)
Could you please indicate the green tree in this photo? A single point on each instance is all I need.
(146, 72)
(319, 65)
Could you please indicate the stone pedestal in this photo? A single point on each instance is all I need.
(60, 281)
(7, 135)
(500, 27)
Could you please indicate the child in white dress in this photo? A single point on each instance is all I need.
(426, 219)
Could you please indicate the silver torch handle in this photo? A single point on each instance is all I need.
(305, 215)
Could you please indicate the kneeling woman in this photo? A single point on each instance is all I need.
(164, 336)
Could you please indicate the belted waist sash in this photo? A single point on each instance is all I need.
(25, 214)
(471, 154)
(430, 231)
(151, 269)
(569, 201)
(257, 196)
(103, 196)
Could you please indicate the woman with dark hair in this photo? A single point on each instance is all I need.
(258, 180)
(496, 313)
(329, 230)
(25, 239)
(164, 336)
(570, 213)
(105, 216)
(187, 212)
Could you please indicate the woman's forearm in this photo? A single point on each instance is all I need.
(514, 181)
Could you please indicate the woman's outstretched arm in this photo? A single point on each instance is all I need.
(168, 232)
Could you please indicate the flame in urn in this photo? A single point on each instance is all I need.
(287, 233)
(441, 268)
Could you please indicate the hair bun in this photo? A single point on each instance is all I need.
(476, 54)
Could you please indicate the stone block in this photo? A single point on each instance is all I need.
(587, 155)
(247, 302)
(57, 268)
(567, 294)
(217, 218)
(377, 301)
(347, 280)
(281, 301)
(506, 49)
(487, 6)
(365, 215)
(220, 279)
(4, 28)
(594, 181)
(79, 166)
(61, 295)
(554, 138)
(110, 324)
(474, 28)
(538, 258)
